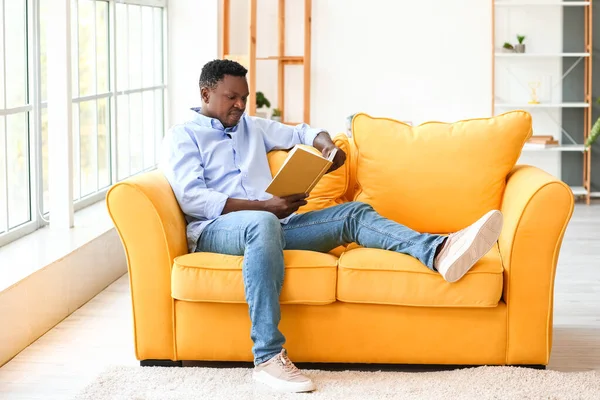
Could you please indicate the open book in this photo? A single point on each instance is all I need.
(300, 172)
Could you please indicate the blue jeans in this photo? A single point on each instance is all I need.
(261, 238)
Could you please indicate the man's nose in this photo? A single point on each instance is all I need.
(241, 104)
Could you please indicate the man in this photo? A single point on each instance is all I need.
(216, 163)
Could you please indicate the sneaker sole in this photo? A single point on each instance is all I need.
(281, 385)
(482, 242)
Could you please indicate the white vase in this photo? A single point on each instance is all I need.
(262, 114)
(276, 118)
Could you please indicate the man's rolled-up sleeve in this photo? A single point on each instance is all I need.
(181, 164)
(278, 136)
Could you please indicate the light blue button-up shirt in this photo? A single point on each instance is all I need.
(206, 163)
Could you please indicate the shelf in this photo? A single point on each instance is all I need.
(542, 3)
(540, 55)
(563, 147)
(285, 59)
(578, 190)
(543, 105)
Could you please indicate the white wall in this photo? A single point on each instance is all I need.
(52, 273)
(192, 42)
(413, 61)
(418, 61)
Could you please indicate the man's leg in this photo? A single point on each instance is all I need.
(357, 222)
(257, 235)
(259, 238)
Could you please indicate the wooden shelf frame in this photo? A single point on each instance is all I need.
(587, 127)
(281, 58)
(584, 190)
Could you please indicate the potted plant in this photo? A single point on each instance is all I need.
(276, 115)
(261, 101)
(594, 133)
(509, 48)
(520, 48)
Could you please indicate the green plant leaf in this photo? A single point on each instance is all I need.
(594, 134)
(508, 46)
(262, 101)
(520, 38)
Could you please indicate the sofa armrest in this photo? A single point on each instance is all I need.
(151, 226)
(537, 208)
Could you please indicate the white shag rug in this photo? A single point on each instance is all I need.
(481, 383)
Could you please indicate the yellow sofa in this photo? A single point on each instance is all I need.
(358, 305)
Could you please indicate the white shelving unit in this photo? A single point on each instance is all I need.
(579, 190)
(513, 73)
(543, 105)
(540, 55)
(542, 3)
(563, 147)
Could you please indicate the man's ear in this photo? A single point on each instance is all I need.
(205, 94)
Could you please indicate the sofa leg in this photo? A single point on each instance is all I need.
(531, 366)
(160, 363)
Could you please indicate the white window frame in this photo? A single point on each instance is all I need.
(114, 93)
(34, 144)
(84, 201)
(114, 82)
(35, 107)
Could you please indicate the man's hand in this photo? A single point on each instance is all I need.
(285, 206)
(325, 145)
(338, 160)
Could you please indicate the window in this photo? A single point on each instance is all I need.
(91, 97)
(15, 113)
(138, 94)
(140, 87)
(117, 102)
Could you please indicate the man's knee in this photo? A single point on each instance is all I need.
(359, 207)
(262, 225)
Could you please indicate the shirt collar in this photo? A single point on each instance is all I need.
(209, 122)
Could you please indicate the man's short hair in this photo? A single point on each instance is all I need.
(214, 71)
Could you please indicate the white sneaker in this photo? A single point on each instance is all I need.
(464, 248)
(282, 375)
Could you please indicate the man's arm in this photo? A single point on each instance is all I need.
(280, 206)
(278, 136)
(325, 145)
(182, 166)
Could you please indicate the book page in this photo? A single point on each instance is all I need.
(332, 154)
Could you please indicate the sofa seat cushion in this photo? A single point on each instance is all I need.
(384, 277)
(310, 278)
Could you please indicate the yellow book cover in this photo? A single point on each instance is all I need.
(300, 172)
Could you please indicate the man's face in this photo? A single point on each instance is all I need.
(227, 101)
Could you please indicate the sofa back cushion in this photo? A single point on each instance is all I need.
(436, 177)
(331, 188)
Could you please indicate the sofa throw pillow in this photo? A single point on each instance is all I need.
(331, 188)
(437, 177)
